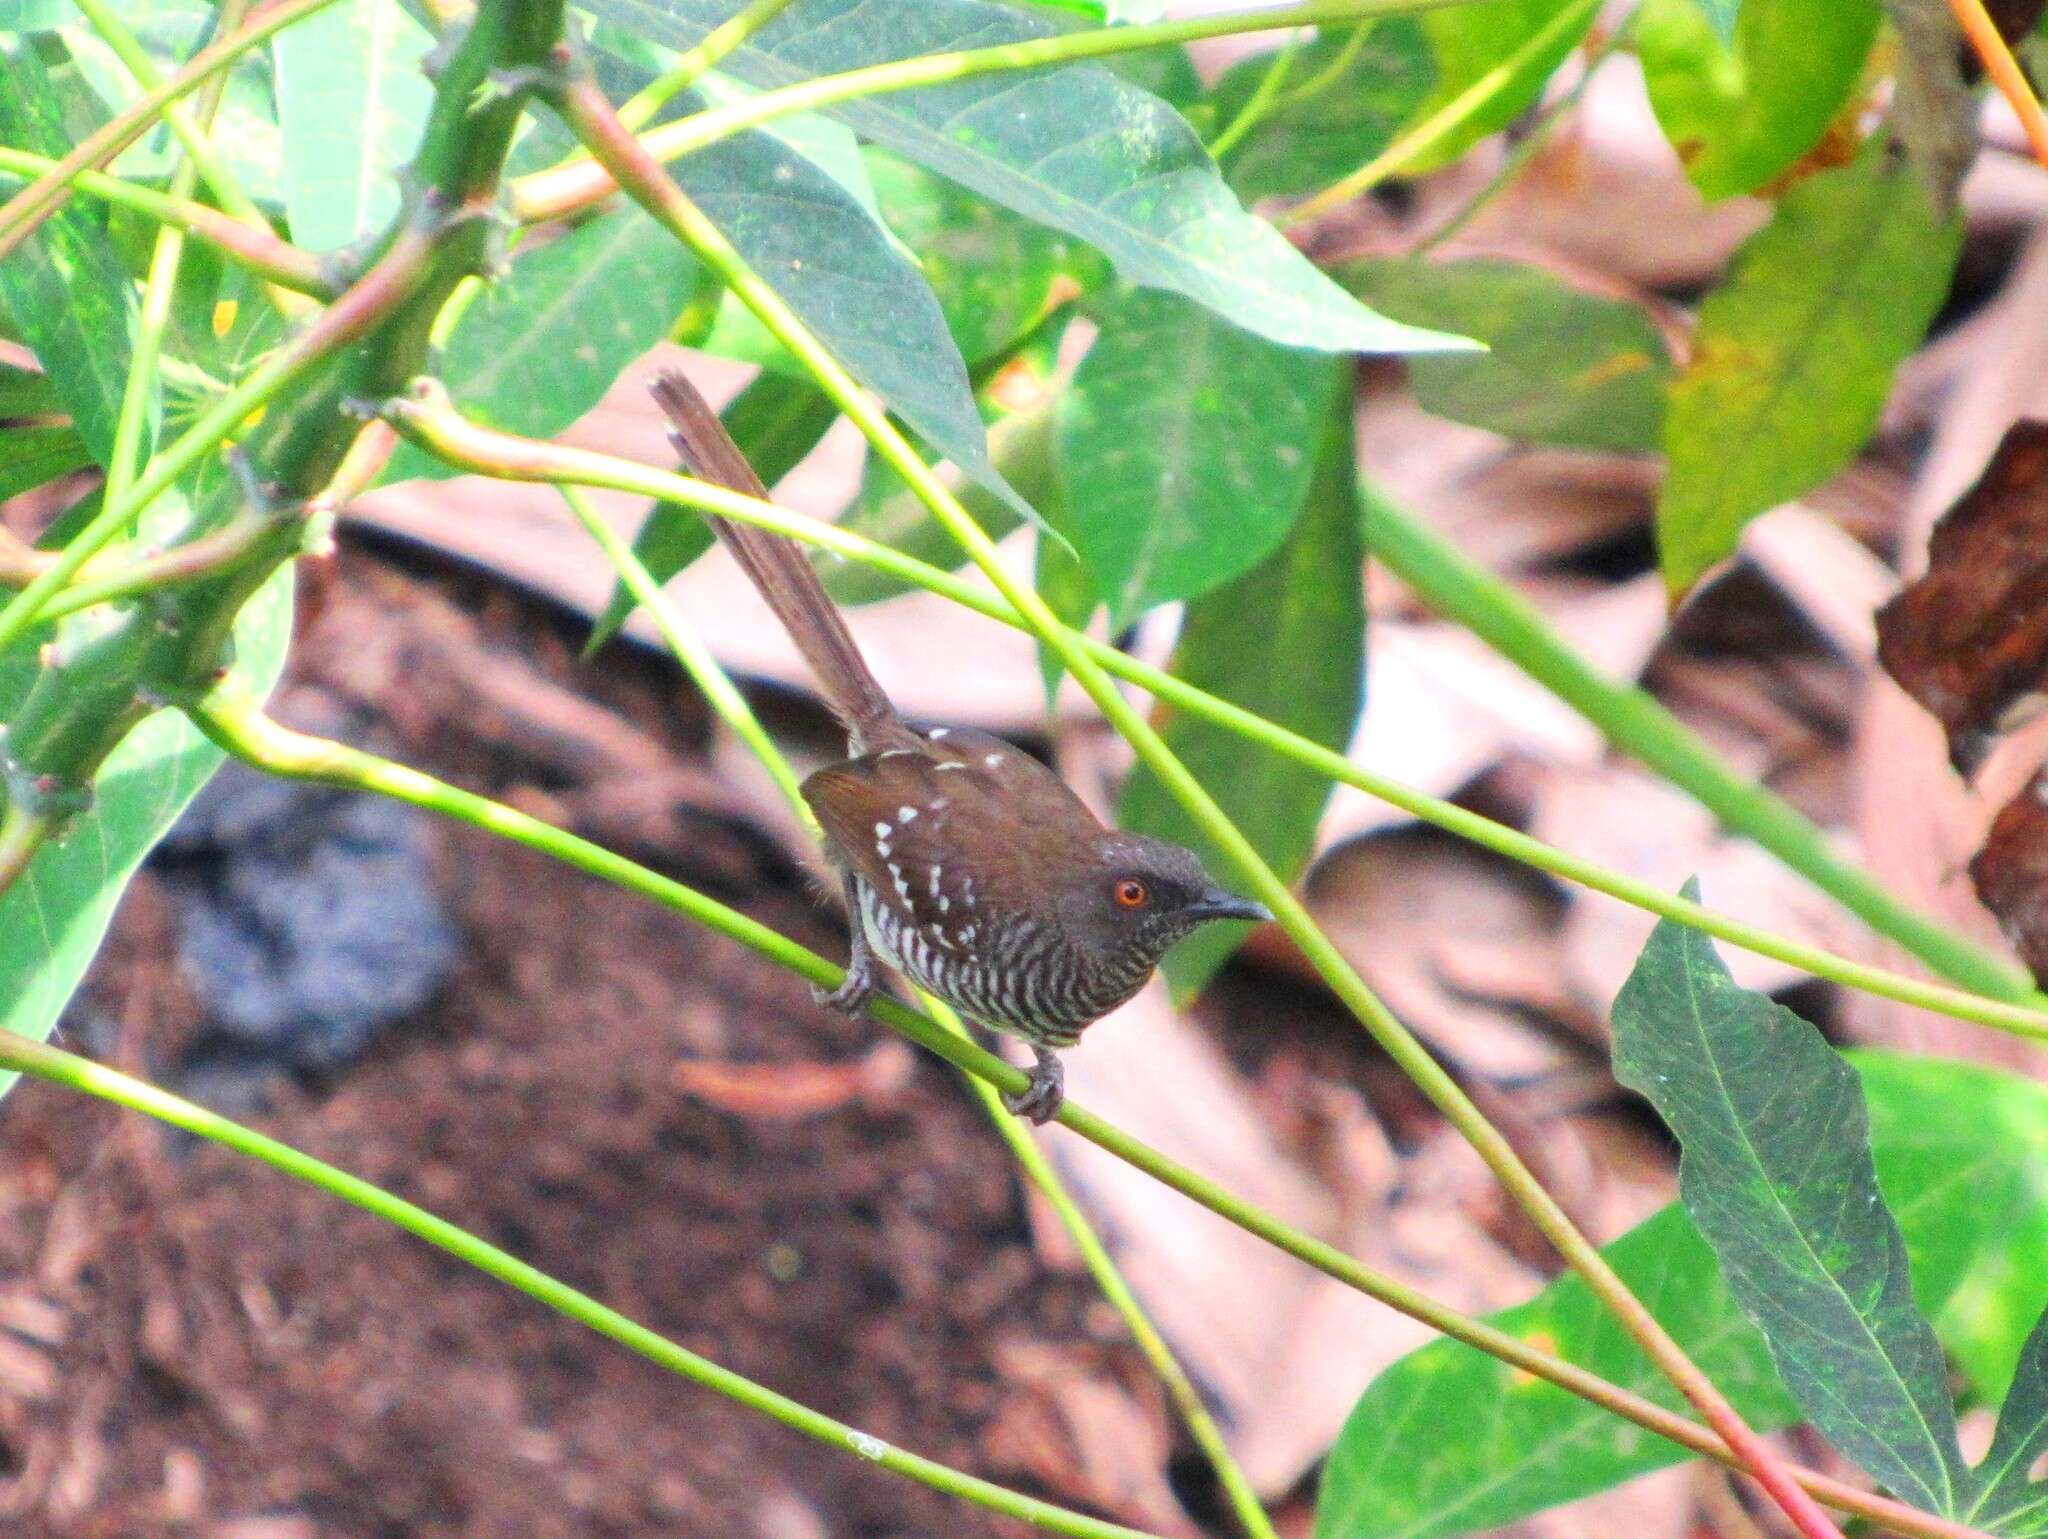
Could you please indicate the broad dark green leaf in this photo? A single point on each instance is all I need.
(995, 274)
(776, 422)
(1961, 1154)
(1286, 640)
(74, 306)
(29, 456)
(351, 97)
(1794, 353)
(1188, 445)
(2009, 1501)
(1740, 114)
(53, 918)
(1345, 95)
(1776, 1171)
(1077, 148)
(1564, 367)
(1473, 45)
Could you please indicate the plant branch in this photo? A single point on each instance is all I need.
(1264, 95)
(23, 830)
(428, 420)
(43, 196)
(564, 189)
(343, 323)
(1635, 723)
(641, 177)
(191, 133)
(692, 65)
(2005, 72)
(1447, 119)
(262, 251)
(241, 728)
(74, 1073)
(718, 688)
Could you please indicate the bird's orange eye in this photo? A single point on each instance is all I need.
(1131, 894)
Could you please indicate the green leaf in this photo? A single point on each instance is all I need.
(887, 510)
(543, 345)
(1741, 113)
(1961, 1154)
(1345, 96)
(996, 275)
(1451, 1441)
(1721, 15)
(30, 456)
(776, 422)
(1794, 353)
(1191, 442)
(2009, 1501)
(351, 98)
(539, 347)
(53, 918)
(1286, 640)
(73, 304)
(1776, 1171)
(245, 130)
(1564, 367)
(1074, 147)
(1473, 42)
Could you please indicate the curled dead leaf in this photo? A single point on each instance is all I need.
(1969, 640)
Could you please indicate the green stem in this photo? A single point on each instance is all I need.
(691, 66)
(75, 1073)
(1446, 120)
(563, 189)
(191, 134)
(239, 726)
(1637, 724)
(717, 687)
(343, 322)
(22, 833)
(138, 390)
(47, 192)
(689, 649)
(260, 251)
(208, 553)
(1524, 149)
(1263, 96)
(642, 178)
(1331, 72)
(488, 452)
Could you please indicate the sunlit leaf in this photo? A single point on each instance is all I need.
(1794, 353)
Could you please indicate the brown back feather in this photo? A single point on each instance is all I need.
(777, 568)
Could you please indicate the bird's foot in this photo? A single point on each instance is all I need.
(854, 991)
(1042, 1098)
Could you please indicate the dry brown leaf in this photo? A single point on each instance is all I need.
(1969, 640)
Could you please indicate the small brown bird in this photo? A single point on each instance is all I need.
(968, 866)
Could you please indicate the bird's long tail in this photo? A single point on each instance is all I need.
(777, 567)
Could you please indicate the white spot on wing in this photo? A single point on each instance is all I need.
(992, 760)
(907, 814)
(882, 830)
(938, 732)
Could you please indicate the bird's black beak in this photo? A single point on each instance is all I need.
(1218, 904)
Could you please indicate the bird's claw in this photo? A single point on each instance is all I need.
(854, 991)
(1042, 1098)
